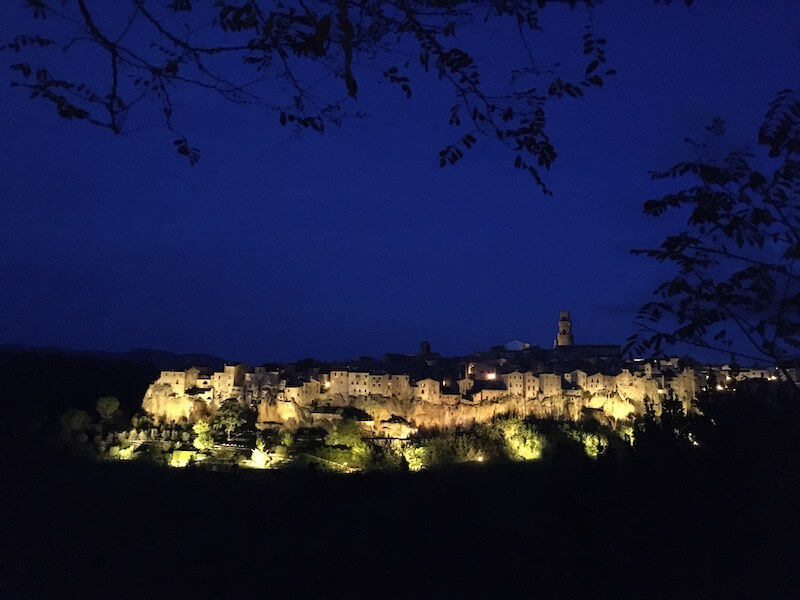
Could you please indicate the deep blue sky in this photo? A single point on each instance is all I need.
(278, 247)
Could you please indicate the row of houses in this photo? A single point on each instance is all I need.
(481, 384)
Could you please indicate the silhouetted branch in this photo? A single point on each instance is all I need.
(295, 40)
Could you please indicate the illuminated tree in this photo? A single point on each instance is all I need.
(229, 416)
(522, 441)
(286, 438)
(345, 433)
(593, 444)
(302, 60)
(737, 286)
(345, 445)
(259, 456)
(203, 440)
(481, 443)
(416, 456)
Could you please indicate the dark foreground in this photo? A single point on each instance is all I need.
(719, 521)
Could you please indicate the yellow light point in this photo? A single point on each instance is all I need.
(491, 376)
(480, 459)
(327, 384)
(719, 388)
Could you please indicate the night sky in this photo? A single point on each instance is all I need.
(278, 247)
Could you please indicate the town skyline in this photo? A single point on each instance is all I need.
(701, 355)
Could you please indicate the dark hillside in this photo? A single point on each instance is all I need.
(45, 384)
(662, 520)
(717, 521)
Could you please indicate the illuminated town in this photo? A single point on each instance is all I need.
(396, 398)
(405, 392)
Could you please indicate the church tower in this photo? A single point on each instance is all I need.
(564, 337)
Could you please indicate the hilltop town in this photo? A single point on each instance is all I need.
(399, 394)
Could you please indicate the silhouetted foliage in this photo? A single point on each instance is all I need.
(667, 435)
(50, 383)
(283, 56)
(107, 407)
(74, 422)
(737, 282)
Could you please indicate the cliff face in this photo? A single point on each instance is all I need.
(287, 413)
(160, 402)
(419, 414)
(163, 404)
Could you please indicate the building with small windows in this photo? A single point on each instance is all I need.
(428, 390)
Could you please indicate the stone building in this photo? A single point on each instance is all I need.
(564, 335)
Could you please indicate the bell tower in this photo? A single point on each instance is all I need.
(564, 337)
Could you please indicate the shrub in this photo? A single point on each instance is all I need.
(74, 421)
(203, 441)
(522, 440)
(259, 457)
(417, 457)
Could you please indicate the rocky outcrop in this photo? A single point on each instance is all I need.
(427, 415)
(612, 405)
(287, 413)
(161, 403)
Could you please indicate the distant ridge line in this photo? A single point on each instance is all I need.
(162, 359)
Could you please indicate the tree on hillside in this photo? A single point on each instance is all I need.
(107, 407)
(141, 421)
(303, 60)
(345, 445)
(668, 433)
(259, 457)
(737, 286)
(73, 426)
(203, 440)
(229, 417)
(345, 433)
